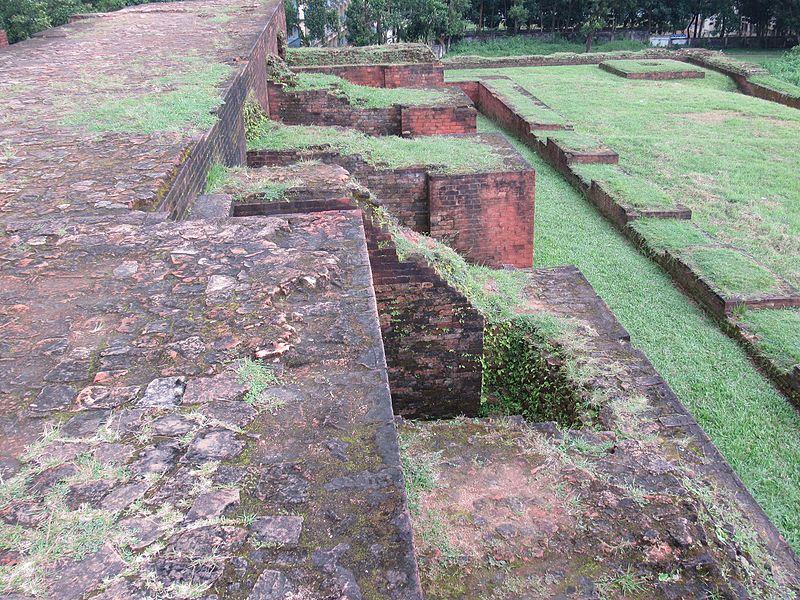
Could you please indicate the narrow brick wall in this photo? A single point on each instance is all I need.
(319, 107)
(3, 38)
(487, 217)
(225, 142)
(432, 335)
(389, 76)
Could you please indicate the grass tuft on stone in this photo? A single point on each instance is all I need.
(183, 102)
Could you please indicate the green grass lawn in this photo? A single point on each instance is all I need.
(731, 158)
(522, 45)
(757, 57)
(750, 422)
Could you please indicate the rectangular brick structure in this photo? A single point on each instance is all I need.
(3, 38)
(486, 216)
(323, 107)
(432, 335)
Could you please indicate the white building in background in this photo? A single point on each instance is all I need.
(334, 36)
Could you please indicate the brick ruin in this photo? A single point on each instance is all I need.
(236, 367)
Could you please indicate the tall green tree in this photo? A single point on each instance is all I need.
(359, 24)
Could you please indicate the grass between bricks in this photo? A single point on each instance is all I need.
(731, 271)
(183, 101)
(234, 181)
(522, 104)
(651, 66)
(628, 189)
(446, 154)
(754, 427)
(370, 97)
(360, 55)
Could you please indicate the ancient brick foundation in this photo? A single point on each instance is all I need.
(321, 107)
(487, 217)
(3, 38)
(432, 335)
(225, 141)
(653, 75)
(420, 75)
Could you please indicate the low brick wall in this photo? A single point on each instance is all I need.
(487, 217)
(225, 142)
(419, 75)
(320, 107)
(432, 335)
(3, 38)
(653, 75)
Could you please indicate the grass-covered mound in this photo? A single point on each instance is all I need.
(371, 97)
(441, 153)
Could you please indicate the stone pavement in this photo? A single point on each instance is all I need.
(96, 116)
(171, 463)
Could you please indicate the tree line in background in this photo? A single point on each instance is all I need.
(22, 18)
(441, 21)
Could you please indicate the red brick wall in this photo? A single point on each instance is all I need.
(432, 336)
(3, 38)
(438, 120)
(487, 217)
(319, 107)
(390, 76)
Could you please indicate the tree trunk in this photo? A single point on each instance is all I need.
(589, 39)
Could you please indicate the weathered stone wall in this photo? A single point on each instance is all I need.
(404, 192)
(389, 76)
(225, 141)
(432, 336)
(487, 217)
(321, 107)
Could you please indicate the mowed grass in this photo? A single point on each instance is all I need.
(733, 159)
(750, 422)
